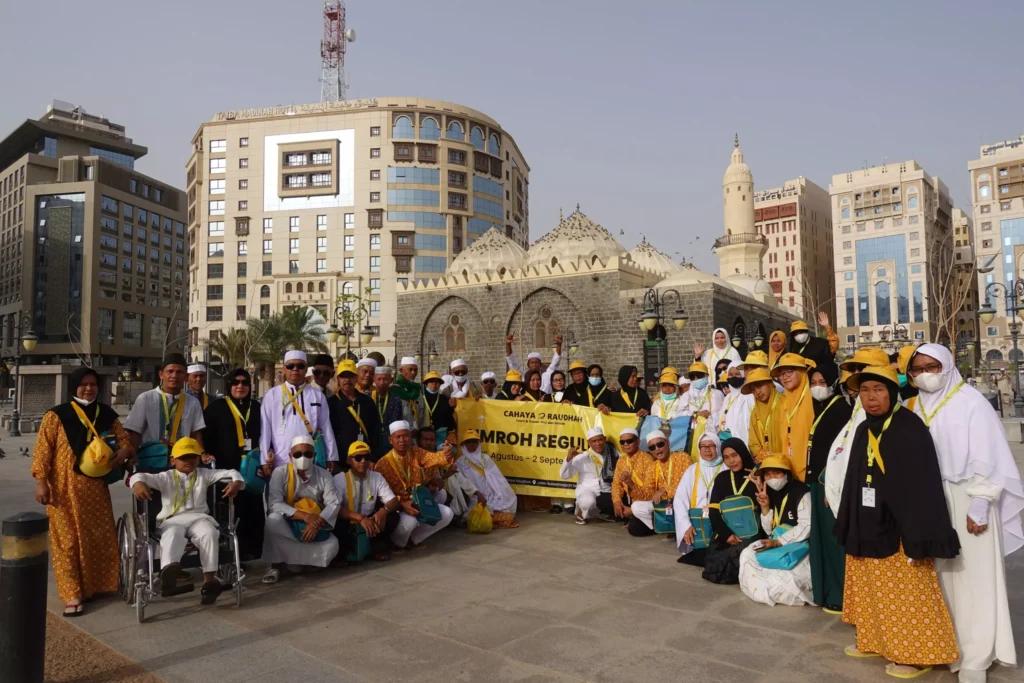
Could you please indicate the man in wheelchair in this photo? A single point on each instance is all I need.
(184, 516)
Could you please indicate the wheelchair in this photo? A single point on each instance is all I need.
(138, 543)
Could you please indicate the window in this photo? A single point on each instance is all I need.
(915, 269)
(374, 308)
(375, 196)
(476, 138)
(432, 242)
(264, 311)
(218, 146)
(217, 186)
(132, 329)
(897, 206)
(879, 225)
(455, 131)
(268, 268)
(860, 213)
(243, 163)
(986, 209)
(847, 260)
(320, 179)
(986, 226)
(293, 224)
(857, 197)
(374, 241)
(127, 211)
(846, 213)
(243, 248)
(243, 205)
(1004, 189)
(265, 292)
(350, 221)
(915, 236)
(914, 220)
(214, 314)
(375, 264)
(375, 174)
(348, 289)
(298, 159)
(293, 246)
(915, 252)
(268, 246)
(216, 229)
(374, 286)
(375, 153)
(493, 145)
(1003, 172)
(217, 208)
(218, 165)
(992, 331)
(403, 240)
(321, 265)
(107, 204)
(293, 267)
(846, 229)
(214, 292)
(321, 158)
(242, 269)
(216, 249)
(214, 271)
(268, 225)
(243, 184)
(433, 264)
(350, 264)
(321, 243)
(1004, 206)
(847, 275)
(897, 222)
(456, 156)
(375, 131)
(295, 180)
(878, 209)
(350, 242)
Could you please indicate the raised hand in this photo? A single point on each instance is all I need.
(762, 495)
(698, 350)
(511, 338)
(823, 318)
(571, 454)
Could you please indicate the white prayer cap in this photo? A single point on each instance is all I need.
(488, 375)
(655, 435)
(302, 440)
(309, 372)
(457, 363)
(408, 360)
(684, 381)
(399, 426)
(295, 354)
(383, 370)
(533, 354)
(629, 430)
(366, 362)
(594, 431)
(198, 367)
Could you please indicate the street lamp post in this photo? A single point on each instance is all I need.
(1013, 294)
(568, 342)
(346, 317)
(893, 337)
(741, 334)
(654, 303)
(431, 353)
(28, 340)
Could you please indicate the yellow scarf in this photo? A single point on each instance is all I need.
(767, 425)
(774, 356)
(798, 416)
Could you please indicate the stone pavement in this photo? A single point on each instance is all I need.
(550, 601)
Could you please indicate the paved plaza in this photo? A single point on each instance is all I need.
(550, 601)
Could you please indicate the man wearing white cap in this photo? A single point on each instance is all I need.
(303, 505)
(196, 386)
(633, 487)
(488, 385)
(594, 471)
(364, 375)
(293, 409)
(456, 384)
(534, 362)
(403, 468)
(406, 388)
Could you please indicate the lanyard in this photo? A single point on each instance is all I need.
(733, 395)
(873, 451)
(84, 419)
(479, 468)
(707, 483)
(400, 469)
(789, 417)
(768, 423)
(180, 488)
(430, 411)
(665, 408)
(591, 396)
(928, 418)
(355, 412)
(170, 427)
(732, 480)
(693, 498)
(625, 397)
(598, 462)
(818, 419)
(778, 513)
(298, 410)
(382, 409)
(239, 420)
(703, 400)
(849, 426)
(359, 495)
(658, 475)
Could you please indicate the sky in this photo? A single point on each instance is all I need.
(628, 109)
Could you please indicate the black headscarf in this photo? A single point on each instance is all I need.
(577, 393)
(505, 394)
(818, 350)
(638, 397)
(101, 415)
(727, 482)
(910, 507)
(221, 438)
(532, 395)
(550, 398)
(837, 411)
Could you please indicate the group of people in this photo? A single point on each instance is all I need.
(881, 488)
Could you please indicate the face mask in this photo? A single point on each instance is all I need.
(594, 381)
(303, 463)
(667, 397)
(801, 337)
(777, 484)
(461, 380)
(429, 391)
(81, 401)
(713, 463)
(558, 396)
(736, 382)
(821, 393)
(903, 380)
(930, 382)
(700, 384)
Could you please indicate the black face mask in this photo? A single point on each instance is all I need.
(735, 382)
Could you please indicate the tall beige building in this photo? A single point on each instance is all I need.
(997, 195)
(796, 219)
(92, 251)
(887, 223)
(297, 205)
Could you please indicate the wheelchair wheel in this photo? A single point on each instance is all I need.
(126, 548)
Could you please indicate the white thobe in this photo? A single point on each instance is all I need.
(279, 543)
(589, 483)
(684, 498)
(735, 415)
(365, 490)
(545, 378)
(714, 354)
(668, 410)
(144, 418)
(496, 489)
(839, 458)
(709, 399)
(780, 586)
(462, 494)
(281, 423)
(192, 520)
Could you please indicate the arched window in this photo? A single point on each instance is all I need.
(298, 288)
(984, 176)
(984, 191)
(429, 130)
(792, 287)
(323, 286)
(309, 286)
(454, 335)
(348, 288)
(265, 292)
(845, 202)
(554, 261)
(493, 147)
(1016, 355)
(455, 131)
(846, 212)
(882, 310)
(465, 275)
(287, 288)
(402, 128)
(476, 138)
(912, 200)
(545, 329)
(994, 354)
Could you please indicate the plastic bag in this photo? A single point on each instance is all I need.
(478, 520)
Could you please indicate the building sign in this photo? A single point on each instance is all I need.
(293, 109)
(1006, 144)
(772, 212)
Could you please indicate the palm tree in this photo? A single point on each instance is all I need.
(292, 328)
(231, 347)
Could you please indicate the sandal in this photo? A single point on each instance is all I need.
(905, 670)
(272, 575)
(73, 610)
(832, 609)
(852, 651)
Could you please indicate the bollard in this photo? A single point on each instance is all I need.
(23, 580)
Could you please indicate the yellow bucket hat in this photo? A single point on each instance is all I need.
(875, 373)
(348, 365)
(469, 435)
(668, 378)
(798, 326)
(426, 378)
(753, 377)
(793, 360)
(513, 376)
(754, 359)
(577, 365)
(775, 461)
(869, 355)
(697, 367)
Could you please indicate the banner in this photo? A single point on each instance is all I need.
(529, 441)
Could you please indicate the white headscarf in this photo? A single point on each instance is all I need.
(969, 440)
(709, 435)
(715, 354)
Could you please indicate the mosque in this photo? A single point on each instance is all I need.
(612, 306)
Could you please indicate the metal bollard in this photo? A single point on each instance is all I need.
(23, 579)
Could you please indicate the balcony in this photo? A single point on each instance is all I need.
(426, 153)
(403, 264)
(403, 151)
(741, 238)
(242, 226)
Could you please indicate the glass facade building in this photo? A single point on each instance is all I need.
(892, 248)
(58, 267)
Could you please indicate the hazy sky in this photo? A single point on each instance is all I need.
(628, 108)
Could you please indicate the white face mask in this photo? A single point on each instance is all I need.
(930, 382)
(778, 483)
(303, 463)
(821, 393)
(81, 401)
(801, 337)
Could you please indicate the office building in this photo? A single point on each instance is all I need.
(298, 205)
(796, 219)
(890, 224)
(93, 252)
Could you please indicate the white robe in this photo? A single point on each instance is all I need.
(279, 543)
(709, 399)
(712, 355)
(462, 494)
(280, 423)
(668, 410)
(492, 483)
(839, 458)
(780, 586)
(735, 415)
(684, 497)
(589, 483)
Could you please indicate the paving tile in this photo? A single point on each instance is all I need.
(417, 605)
(571, 650)
(493, 668)
(754, 647)
(654, 664)
(227, 661)
(307, 671)
(318, 636)
(405, 654)
(786, 619)
(641, 622)
(163, 634)
(684, 595)
(482, 626)
(552, 599)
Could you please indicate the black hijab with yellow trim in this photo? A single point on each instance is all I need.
(101, 415)
(221, 436)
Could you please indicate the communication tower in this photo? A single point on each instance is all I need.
(332, 52)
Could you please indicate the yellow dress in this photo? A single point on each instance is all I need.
(83, 540)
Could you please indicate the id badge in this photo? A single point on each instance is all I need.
(867, 497)
(248, 444)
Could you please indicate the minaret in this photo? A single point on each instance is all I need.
(741, 249)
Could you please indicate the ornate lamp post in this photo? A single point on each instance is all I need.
(654, 305)
(568, 342)
(1013, 294)
(740, 334)
(29, 341)
(431, 353)
(894, 337)
(347, 317)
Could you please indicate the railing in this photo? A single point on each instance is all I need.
(741, 238)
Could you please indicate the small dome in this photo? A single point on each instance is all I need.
(738, 172)
(576, 238)
(492, 252)
(650, 257)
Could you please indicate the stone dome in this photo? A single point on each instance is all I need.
(576, 238)
(738, 171)
(492, 252)
(646, 255)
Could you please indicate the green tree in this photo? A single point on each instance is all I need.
(231, 347)
(292, 328)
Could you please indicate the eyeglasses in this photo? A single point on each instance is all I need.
(490, 381)
(294, 366)
(299, 454)
(931, 367)
(240, 382)
(320, 373)
(627, 442)
(357, 458)
(460, 373)
(659, 444)
(786, 372)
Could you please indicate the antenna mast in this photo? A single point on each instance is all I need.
(332, 52)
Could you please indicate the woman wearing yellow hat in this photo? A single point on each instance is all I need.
(798, 411)
(703, 404)
(667, 404)
(588, 387)
(766, 418)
